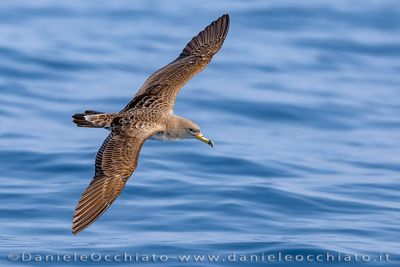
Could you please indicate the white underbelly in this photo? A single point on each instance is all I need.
(162, 136)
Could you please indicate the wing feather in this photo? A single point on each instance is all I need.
(161, 88)
(115, 162)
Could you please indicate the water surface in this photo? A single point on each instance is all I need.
(302, 102)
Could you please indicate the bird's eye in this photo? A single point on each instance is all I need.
(191, 130)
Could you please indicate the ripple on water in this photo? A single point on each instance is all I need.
(302, 102)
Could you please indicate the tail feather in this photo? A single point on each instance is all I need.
(93, 119)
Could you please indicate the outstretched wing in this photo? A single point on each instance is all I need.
(115, 162)
(161, 88)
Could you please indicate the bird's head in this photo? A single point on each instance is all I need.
(188, 130)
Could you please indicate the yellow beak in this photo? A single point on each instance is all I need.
(203, 139)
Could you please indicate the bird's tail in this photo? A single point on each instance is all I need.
(93, 119)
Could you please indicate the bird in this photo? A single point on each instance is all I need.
(149, 115)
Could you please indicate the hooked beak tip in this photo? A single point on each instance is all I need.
(204, 139)
(210, 143)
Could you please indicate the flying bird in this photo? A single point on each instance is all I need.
(149, 115)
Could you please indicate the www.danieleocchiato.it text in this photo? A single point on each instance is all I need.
(231, 257)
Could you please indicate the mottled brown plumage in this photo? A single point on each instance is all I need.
(148, 114)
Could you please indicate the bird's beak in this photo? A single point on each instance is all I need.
(203, 139)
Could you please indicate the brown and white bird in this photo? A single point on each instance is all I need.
(149, 115)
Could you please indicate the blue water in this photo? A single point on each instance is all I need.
(302, 101)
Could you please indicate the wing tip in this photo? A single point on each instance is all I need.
(74, 231)
(215, 32)
(226, 18)
(80, 224)
(226, 22)
(76, 228)
(223, 23)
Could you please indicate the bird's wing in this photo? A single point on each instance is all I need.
(115, 162)
(161, 88)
